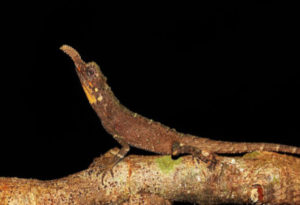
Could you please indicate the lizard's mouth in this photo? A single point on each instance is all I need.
(80, 74)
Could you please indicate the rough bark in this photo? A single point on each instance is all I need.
(258, 177)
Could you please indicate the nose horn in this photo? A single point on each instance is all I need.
(74, 55)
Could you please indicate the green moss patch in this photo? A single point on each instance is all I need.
(166, 163)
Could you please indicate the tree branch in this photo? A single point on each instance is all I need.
(258, 177)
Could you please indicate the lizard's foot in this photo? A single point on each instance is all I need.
(106, 163)
(108, 167)
(200, 155)
(207, 157)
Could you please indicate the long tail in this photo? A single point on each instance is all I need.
(224, 147)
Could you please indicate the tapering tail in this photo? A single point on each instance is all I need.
(224, 147)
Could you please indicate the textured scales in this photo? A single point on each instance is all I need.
(131, 128)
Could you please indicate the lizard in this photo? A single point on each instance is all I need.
(132, 129)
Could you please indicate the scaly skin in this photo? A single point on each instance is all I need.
(130, 128)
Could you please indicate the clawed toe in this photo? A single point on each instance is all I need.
(107, 169)
(206, 157)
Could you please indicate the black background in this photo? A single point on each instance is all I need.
(225, 71)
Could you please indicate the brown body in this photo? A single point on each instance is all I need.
(138, 131)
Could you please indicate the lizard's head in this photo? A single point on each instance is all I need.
(92, 81)
(90, 75)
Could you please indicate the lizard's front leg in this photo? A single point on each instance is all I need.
(117, 157)
(203, 155)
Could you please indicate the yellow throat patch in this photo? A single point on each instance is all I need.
(88, 92)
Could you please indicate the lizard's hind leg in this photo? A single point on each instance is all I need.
(208, 157)
(117, 157)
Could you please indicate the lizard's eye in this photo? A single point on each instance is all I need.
(90, 72)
